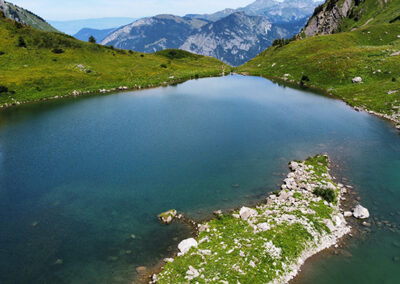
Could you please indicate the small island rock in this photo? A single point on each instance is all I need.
(168, 217)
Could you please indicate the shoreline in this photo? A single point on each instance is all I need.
(338, 229)
(103, 91)
(322, 91)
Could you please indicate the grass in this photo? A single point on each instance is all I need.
(231, 250)
(54, 64)
(331, 62)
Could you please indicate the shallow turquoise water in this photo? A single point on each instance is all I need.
(79, 176)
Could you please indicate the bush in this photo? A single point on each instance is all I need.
(1, 52)
(141, 55)
(393, 79)
(92, 39)
(21, 42)
(58, 50)
(163, 65)
(327, 194)
(305, 78)
(3, 89)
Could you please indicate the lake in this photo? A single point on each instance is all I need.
(83, 179)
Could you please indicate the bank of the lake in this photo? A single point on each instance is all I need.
(83, 208)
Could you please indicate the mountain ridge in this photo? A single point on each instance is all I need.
(25, 17)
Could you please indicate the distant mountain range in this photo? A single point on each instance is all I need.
(24, 16)
(232, 35)
(85, 33)
(74, 26)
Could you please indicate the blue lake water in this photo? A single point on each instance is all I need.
(79, 176)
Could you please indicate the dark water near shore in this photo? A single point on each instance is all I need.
(79, 176)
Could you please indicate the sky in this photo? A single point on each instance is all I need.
(60, 10)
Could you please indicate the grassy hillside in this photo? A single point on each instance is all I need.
(330, 62)
(37, 65)
(371, 12)
(21, 15)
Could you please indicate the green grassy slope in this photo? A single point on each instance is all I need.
(330, 62)
(27, 17)
(36, 72)
(371, 12)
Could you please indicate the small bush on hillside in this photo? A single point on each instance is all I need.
(1, 52)
(393, 79)
(327, 194)
(141, 55)
(305, 78)
(58, 50)
(163, 65)
(281, 42)
(18, 25)
(21, 42)
(130, 52)
(92, 39)
(2, 14)
(3, 89)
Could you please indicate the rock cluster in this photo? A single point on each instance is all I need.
(168, 216)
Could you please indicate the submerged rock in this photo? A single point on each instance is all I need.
(168, 217)
(360, 212)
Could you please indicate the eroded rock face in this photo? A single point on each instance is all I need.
(328, 17)
(360, 212)
(185, 245)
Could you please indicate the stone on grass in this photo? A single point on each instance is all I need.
(245, 213)
(357, 80)
(185, 245)
(192, 273)
(360, 212)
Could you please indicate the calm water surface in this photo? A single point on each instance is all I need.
(79, 177)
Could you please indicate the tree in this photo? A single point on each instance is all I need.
(92, 39)
(21, 42)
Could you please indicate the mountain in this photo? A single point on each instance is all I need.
(74, 26)
(99, 35)
(237, 38)
(37, 65)
(336, 16)
(274, 10)
(233, 36)
(352, 52)
(26, 17)
(155, 33)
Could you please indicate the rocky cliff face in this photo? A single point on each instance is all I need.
(26, 17)
(328, 17)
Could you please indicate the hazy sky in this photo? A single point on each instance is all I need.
(82, 9)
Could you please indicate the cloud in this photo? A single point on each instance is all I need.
(83, 9)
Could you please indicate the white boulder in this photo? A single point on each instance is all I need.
(360, 212)
(245, 213)
(192, 273)
(185, 245)
(357, 80)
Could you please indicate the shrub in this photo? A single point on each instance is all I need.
(327, 194)
(141, 55)
(92, 39)
(130, 52)
(163, 65)
(21, 42)
(305, 78)
(58, 50)
(1, 52)
(197, 76)
(393, 79)
(3, 89)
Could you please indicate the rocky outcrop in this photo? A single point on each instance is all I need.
(168, 216)
(360, 212)
(261, 240)
(328, 17)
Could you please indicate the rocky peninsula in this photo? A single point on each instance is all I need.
(269, 243)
